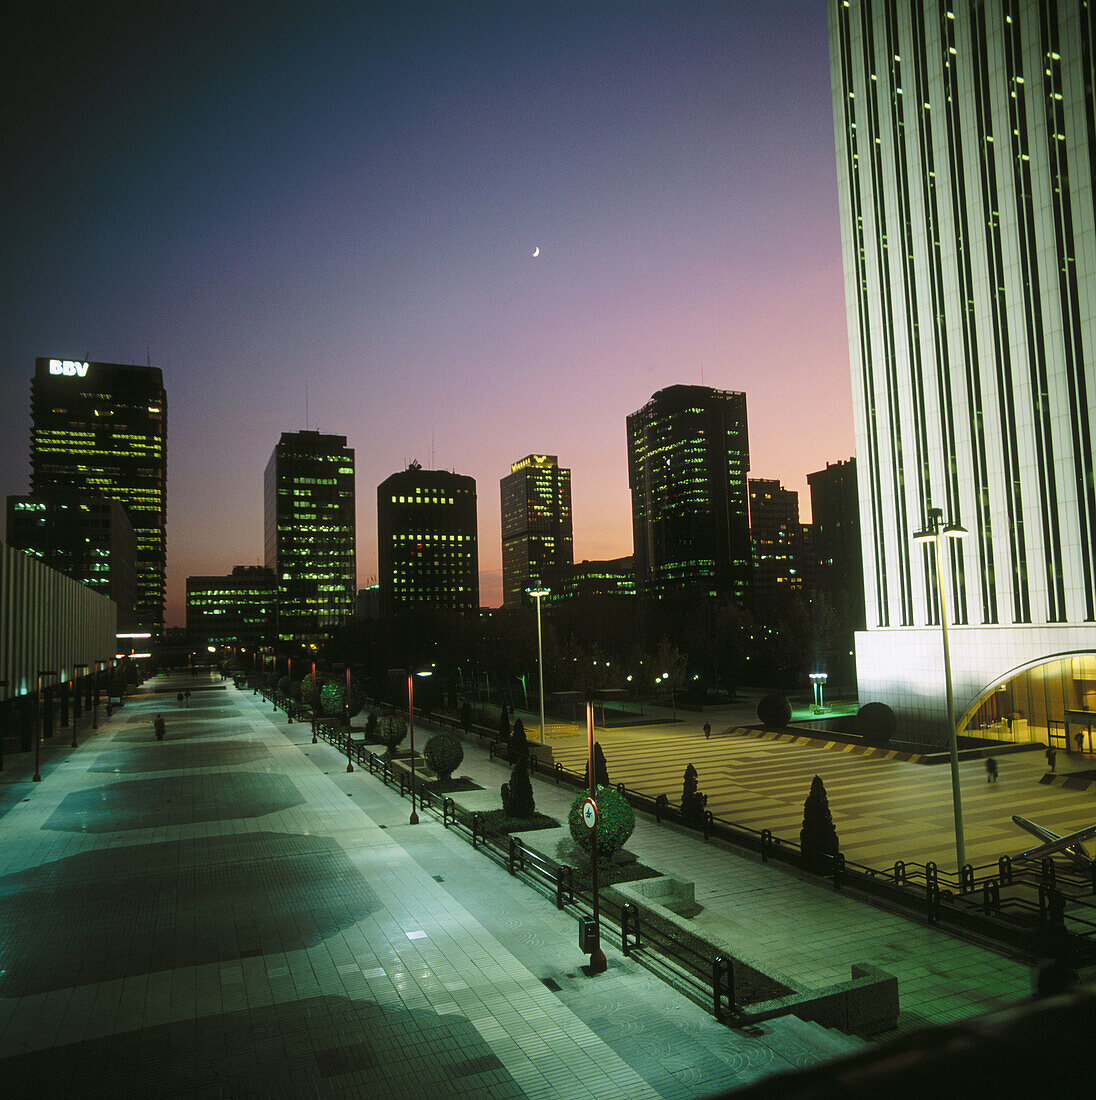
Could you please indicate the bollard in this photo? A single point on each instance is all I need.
(766, 844)
(515, 856)
(899, 873)
(629, 927)
(838, 864)
(475, 829)
(448, 814)
(1049, 873)
(559, 773)
(662, 804)
(565, 888)
(708, 822)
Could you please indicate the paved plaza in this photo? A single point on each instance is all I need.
(228, 912)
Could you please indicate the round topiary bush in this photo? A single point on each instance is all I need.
(444, 754)
(876, 722)
(283, 685)
(333, 698)
(392, 731)
(615, 821)
(774, 710)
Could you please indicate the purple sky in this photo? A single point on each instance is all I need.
(347, 196)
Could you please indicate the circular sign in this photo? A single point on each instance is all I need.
(589, 814)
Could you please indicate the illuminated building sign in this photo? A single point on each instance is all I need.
(68, 367)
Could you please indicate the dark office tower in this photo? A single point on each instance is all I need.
(84, 536)
(239, 610)
(688, 457)
(836, 531)
(426, 541)
(536, 524)
(309, 535)
(101, 428)
(776, 539)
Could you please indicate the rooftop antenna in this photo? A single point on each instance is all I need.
(702, 374)
(432, 466)
(148, 356)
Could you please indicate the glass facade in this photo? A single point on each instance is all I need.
(309, 530)
(101, 428)
(536, 524)
(427, 542)
(238, 610)
(688, 460)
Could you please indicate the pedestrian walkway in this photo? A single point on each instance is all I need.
(793, 925)
(228, 912)
(885, 809)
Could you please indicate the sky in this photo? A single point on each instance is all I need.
(324, 215)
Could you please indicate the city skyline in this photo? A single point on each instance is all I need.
(351, 207)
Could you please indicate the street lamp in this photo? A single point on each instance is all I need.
(933, 533)
(411, 674)
(538, 594)
(38, 725)
(76, 699)
(818, 682)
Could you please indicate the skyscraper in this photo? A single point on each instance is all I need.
(84, 536)
(835, 528)
(536, 524)
(776, 539)
(309, 529)
(688, 460)
(238, 610)
(966, 151)
(426, 541)
(101, 428)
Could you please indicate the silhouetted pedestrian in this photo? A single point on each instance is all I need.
(991, 770)
(1051, 754)
(187, 695)
(160, 727)
(707, 730)
(1080, 741)
(180, 698)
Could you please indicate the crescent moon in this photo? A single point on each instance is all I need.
(536, 251)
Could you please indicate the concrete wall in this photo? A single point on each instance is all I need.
(48, 621)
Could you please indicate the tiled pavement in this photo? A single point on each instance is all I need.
(228, 913)
(771, 915)
(884, 809)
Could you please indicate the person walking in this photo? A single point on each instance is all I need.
(180, 698)
(1052, 755)
(160, 727)
(707, 730)
(991, 770)
(188, 697)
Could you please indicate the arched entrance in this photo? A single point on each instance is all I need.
(1053, 702)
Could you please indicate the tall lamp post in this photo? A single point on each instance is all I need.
(76, 699)
(38, 725)
(411, 674)
(3, 684)
(936, 530)
(538, 594)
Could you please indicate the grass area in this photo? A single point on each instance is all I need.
(498, 821)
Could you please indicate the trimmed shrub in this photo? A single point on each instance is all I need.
(615, 821)
(692, 801)
(818, 837)
(371, 725)
(876, 722)
(444, 754)
(774, 711)
(518, 747)
(601, 769)
(270, 681)
(310, 691)
(392, 731)
(520, 802)
(333, 698)
(283, 685)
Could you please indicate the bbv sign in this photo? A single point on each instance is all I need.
(68, 366)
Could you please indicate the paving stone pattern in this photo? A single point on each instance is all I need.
(240, 917)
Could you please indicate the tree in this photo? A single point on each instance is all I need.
(504, 725)
(692, 801)
(616, 821)
(518, 748)
(671, 665)
(818, 837)
(392, 731)
(601, 769)
(444, 754)
(310, 691)
(520, 803)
